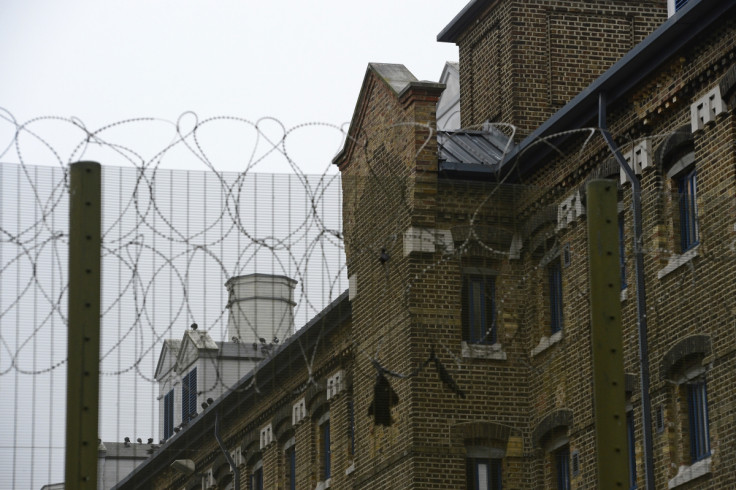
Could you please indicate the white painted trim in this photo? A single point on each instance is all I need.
(547, 342)
(705, 109)
(670, 8)
(677, 261)
(687, 474)
(483, 351)
(352, 287)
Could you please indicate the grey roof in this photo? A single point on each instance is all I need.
(127, 450)
(466, 150)
(173, 346)
(201, 339)
(240, 350)
(468, 15)
(397, 76)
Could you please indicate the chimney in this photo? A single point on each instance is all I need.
(261, 307)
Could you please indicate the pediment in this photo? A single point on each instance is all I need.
(188, 353)
(167, 359)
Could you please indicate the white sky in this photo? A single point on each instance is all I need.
(103, 61)
(296, 61)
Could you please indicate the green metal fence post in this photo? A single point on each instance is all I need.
(606, 335)
(84, 326)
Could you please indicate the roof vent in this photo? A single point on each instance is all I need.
(261, 307)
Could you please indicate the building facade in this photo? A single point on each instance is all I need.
(461, 355)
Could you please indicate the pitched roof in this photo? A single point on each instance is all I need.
(241, 396)
(127, 450)
(169, 345)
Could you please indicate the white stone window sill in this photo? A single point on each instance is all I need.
(625, 294)
(350, 468)
(677, 261)
(323, 484)
(547, 342)
(483, 351)
(689, 473)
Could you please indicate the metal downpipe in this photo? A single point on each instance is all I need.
(641, 306)
(233, 466)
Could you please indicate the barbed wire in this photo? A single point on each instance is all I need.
(171, 238)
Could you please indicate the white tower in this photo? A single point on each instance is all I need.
(261, 307)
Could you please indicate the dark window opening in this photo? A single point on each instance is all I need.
(189, 396)
(483, 473)
(169, 414)
(479, 309)
(562, 467)
(554, 273)
(687, 188)
(697, 404)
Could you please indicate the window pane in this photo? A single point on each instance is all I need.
(483, 473)
(479, 309)
(476, 310)
(326, 449)
(555, 296)
(482, 478)
(562, 466)
(632, 448)
(622, 250)
(291, 467)
(687, 190)
(169, 414)
(256, 479)
(698, 421)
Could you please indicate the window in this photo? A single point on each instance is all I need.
(562, 467)
(632, 448)
(697, 408)
(169, 414)
(622, 250)
(554, 273)
(325, 449)
(479, 309)
(189, 395)
(256, 477)
(290, 456)
(351, 427)
(687, 201)
(675, 5)
(483, 473)
(683, 366)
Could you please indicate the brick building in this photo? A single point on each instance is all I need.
(469, 278)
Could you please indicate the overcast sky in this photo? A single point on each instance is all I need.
(104, 61)
(299, 62)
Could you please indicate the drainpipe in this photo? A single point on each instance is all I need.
(641, 304)
(233, 466)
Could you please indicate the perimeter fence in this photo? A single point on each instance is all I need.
(173, 238)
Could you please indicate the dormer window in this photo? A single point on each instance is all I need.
(189, 395)
(675, 5)
(169, 414)
(479, 309)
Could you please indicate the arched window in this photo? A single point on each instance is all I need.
(684, 181)
(683, 366)
(485, 450)
(551, 434)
